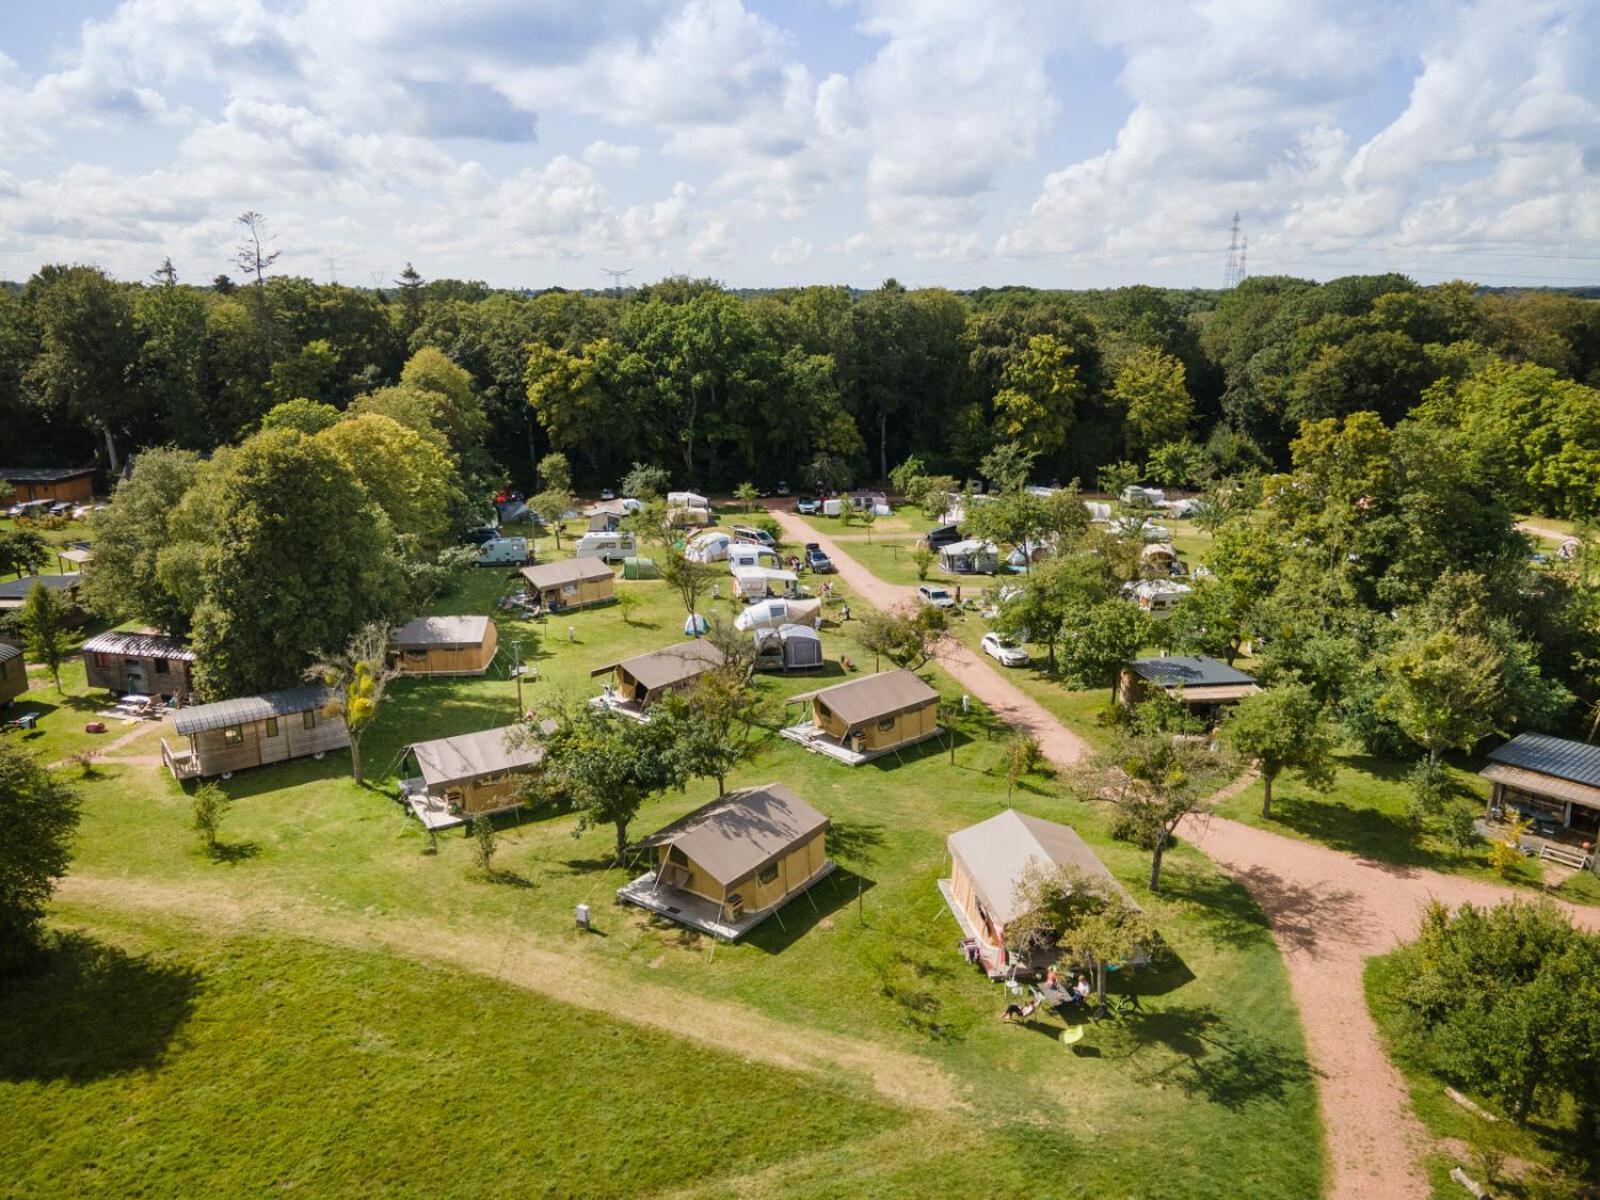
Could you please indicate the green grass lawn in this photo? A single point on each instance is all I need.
(1211, 1082)
(1540, 1144)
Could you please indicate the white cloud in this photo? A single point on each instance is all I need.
(791, 252)
(608, 154)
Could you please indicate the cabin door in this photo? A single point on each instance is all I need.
(133, 679)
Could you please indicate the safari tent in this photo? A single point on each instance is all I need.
(252, 731)
(788, 648)
(731, 863)
(13, 673)
(1198, 681)
(571, 583)
(987, 862)
(638, 682)
(445, 646)
(970, 557)
(866, 718)
(448, 781)
(147, 664)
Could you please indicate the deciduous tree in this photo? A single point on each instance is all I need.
(39, 814)
(1283, 728)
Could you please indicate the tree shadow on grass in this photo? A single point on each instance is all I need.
(91, 1011)
(1227, 1066)
(233, 852)
(1226, 913)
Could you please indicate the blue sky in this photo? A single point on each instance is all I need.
(535, 142)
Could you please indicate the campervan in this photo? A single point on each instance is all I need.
(742, 554)
(756, 537)
(757, 583)
(503, 552)
(608, 547)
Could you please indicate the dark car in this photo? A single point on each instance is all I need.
(477, 537)
(783, 487)
(817, 561)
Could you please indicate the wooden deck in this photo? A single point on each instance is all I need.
(433, 812)
(625, 708)
(699, 913)
(814, 739)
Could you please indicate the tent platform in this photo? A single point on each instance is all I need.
(988, 953)
(430, 810)
(702, 914)
(623, 708)
(813, 739)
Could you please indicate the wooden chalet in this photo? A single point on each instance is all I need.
(49, 483)
(571, 583)
(252, 731)
(731, 863)
(14, 592)
(638, 682)
(866, 718)
(146, 664)
(462, 645)
(453, 779)
(13, 673)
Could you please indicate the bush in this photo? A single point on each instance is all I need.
(769, 525)
(1429, 785)
(1126, 826)
(484, 843)
(1457, 827)
(209, 806)
(924, 556)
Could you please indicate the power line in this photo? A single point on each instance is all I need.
(617, 276)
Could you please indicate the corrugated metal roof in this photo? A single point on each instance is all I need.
(1188, 670)
(42, 474)
(996, 853)
(442, 631)
(734, 836)
(239, 711)
(1525, 780)
(139, 645)
(18, 589)
(8, 652)
(1549, 755)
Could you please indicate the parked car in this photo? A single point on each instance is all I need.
(480, 535)
(1004, 650)
(607, 494)
(817, 561)
(763, 493)
(61, 508)
(807, 506)
(936, 596)
(783, 488)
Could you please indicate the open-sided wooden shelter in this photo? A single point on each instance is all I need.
(731, 863)
(1555, 783)
(147, 664)
(638, 682)
(1197, 681)
(252, 731)
(462, 645)
(868, 717)
(571, 583)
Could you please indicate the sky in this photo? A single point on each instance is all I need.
(534, 143)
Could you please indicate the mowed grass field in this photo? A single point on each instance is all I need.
(337, 1007)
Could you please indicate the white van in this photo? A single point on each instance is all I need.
(754, 537)
(742, 554)
(607, 547)
(503, 552)
(756, 583)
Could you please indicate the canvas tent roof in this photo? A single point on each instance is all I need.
(139, 645)
(442, 631)
(736, 835)
(449, 760)
(1562, 758)
(567, 570)
(665, 667)
(969, 546)
(997, 851)
(225, 713)
(875, 696)
(1189, 671)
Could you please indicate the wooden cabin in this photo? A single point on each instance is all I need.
(252, 731)
(445, 646)
(145, 664)
(571, 583)
(733, 862)
(868, 717)
(1202, 684)
(14, 592)
(49, 483)
(13, 673)
(987, 862)
(637, 683)
(457, 778)
(1553, 782)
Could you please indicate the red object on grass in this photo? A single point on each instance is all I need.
(95, 727)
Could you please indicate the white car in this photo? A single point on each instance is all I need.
(1004, 650)
(936, 596)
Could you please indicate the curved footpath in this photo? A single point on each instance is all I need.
(1329, 913)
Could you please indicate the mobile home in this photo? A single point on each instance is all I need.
(462, 645)
(145, 664)
(757, 583)
(252, 731)
(608, 547)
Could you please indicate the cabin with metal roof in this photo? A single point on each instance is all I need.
(638, 682)
(866, 718)
(13, 673)
(49, 483)
(461, 645)
(1552, 781)
(448, 781)
(14, 592)
(144, 664)
(1197, 681)
(571, 583)
(728, 865)
(252, 731)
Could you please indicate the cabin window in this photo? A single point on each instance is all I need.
(569, 589)
(102, 660)
(419, 655)
(163, 667)
(885, 724)
(233, 736)
(272, 726)
(767, 873)
(309, 719)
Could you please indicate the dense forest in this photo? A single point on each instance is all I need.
(820, 382)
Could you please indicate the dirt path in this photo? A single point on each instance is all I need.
(567, 975)
(1008, 702)
(1329, 913)
(107, 751)
(1544, 531)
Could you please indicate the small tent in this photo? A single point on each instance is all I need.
(635, 567)
(788, 648)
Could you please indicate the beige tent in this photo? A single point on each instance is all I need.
(734, 861)
(571, 583)
(870, 716)
(638, 682)
(468, 774)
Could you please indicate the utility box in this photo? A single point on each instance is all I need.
(582, 915)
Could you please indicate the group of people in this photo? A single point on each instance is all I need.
(1078, 993)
